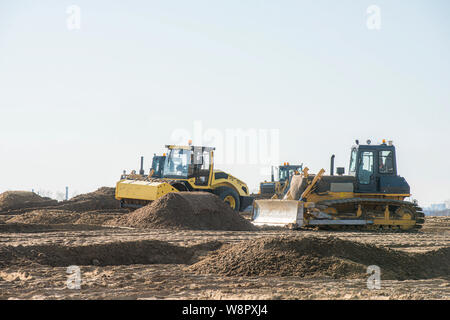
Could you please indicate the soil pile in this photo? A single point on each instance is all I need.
(45, 217)
(12, 200)
(41, 228)
(439, 225)
(94, 218)
(312, 257)
(115, 253)
(61, 217)
(186, 211)
(23, 201)
(101, 199)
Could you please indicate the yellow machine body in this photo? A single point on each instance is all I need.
(156, 188)
(142, 190)
(277, 187)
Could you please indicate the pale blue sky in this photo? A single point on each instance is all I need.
(78, 107)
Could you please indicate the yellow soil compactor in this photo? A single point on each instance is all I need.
(184, 168)
(371, 196)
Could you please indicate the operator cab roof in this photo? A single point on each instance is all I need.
(192, 148)
(369, 146)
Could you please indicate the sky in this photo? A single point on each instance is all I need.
(79, 105)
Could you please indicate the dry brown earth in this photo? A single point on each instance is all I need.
(179, 263)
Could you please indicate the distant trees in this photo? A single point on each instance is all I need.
(440, 209)
(445, 212)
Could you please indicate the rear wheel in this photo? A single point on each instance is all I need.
(229, 196)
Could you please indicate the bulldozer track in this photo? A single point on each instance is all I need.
(366, 202)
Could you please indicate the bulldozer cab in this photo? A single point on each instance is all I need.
(157, 166)
(286, 171)
(186, 162)
(375, 169)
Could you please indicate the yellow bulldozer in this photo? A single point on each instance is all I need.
(371, 196)
(276, 187)
(183, 168)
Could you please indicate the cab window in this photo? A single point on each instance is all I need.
(283, 174)
(365, 167)
(206, 160)
(202, 168)
(386, 161)
(353, 161)
(177, 163)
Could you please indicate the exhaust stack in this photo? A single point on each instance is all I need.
(141, 171)
(332, 166)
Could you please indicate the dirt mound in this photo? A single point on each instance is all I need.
(12, 200)
(46, 217)
(312, 257)
(40, 228)
(95, 218)
(101, 199)
(61, 217)
(439, 225)
(23, 201)
(186, 211)
(116, 253)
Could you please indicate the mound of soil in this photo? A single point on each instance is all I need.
(312, 257)
(186, 211)
(95, 218)
(49, 217)
(46, 217)
(23, 201)
(12, 200)
(41, 228)
(101, 199)
(115, 253)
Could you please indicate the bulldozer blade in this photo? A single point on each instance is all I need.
(276, 212)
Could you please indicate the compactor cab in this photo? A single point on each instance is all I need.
(189, 162)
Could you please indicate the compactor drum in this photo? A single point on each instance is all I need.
(371, 196)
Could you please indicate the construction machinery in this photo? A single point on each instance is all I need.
(185, 168)
(157, 166)
(267, 189)
(155, 171)
(371, 196)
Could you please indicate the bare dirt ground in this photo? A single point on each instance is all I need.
(128, 263)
